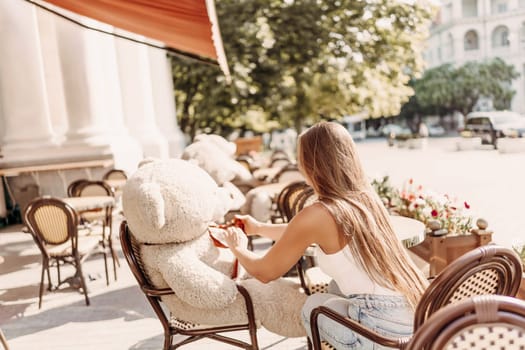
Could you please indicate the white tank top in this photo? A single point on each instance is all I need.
(349, 276)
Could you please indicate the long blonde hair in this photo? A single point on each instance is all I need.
(328, 157)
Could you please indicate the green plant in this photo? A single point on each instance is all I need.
(386, 191)
(415, 202)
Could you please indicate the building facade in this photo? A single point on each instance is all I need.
(475, 30)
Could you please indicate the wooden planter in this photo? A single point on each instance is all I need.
(439, 251)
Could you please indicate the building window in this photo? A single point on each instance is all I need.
(500, 37)
(499, 6)
(471, 41)
(470, 8)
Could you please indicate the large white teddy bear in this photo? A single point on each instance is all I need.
(169, 205)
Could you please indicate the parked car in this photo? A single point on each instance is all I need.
(436, 130)
(394, 129)
(492, 125)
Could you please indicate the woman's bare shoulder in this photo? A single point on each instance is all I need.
(316, 217)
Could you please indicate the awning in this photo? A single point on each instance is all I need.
(189, 27)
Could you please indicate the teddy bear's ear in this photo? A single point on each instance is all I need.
(152, 205)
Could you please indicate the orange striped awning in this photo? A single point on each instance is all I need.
(186, 26)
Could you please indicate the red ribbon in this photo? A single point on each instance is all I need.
(237, 223)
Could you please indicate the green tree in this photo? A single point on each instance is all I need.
(294, 62)
(445, 89)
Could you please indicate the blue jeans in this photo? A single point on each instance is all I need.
(385, 314)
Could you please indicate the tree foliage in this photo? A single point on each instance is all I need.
(296, 61)
(446, 89)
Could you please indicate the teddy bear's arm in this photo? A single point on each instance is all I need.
(196, 283)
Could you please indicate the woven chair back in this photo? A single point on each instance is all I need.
(483, 322)
(489, 269)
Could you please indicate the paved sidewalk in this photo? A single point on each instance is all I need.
(118, 318)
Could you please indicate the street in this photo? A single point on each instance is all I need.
(492, 183)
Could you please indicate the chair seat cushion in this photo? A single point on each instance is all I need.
(184, 325)
(85, 245)
(316, 280)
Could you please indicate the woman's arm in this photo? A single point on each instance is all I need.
(254, 227)
(307, 227)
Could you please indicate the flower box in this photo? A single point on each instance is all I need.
(439, 251)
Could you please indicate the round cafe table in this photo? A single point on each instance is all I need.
(409, 231)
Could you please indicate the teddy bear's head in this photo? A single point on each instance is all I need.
(172, 201)
(215, 154)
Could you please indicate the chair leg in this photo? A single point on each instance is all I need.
(106, 266)
(82, 280)
(3, 340)
(41, 291)
(168, 340)
(308, 343)
(114, 257)
(49, 284)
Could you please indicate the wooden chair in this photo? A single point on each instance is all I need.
(279, 162)
(293, 192)
(491, 322)
(115, 174)
(54, 227)
(282, 202)
(73, 187)
(288, 173)
(485, 270)
(88, 188)
(171, 325)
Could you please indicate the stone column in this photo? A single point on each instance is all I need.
(164, 100)
(26, 134)
(138, 98)
(82, 74)
(93, 94)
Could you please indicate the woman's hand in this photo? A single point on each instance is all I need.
(235, 238)
(250, 225)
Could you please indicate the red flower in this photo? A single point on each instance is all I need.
(434, 213)
(466, 205)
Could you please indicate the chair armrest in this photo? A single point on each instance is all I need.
(156, 292)
(398, 343)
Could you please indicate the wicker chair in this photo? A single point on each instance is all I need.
(88, 188)
(54, 227)
(115, 174)
(283, 203)
(171, 325)
(485, 270)
(482, 322)
(72, 189)
(288, 173)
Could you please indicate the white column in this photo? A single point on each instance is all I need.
(164, 101)
(82, 74)
(26, 133)
(137, 97)
(53, 79)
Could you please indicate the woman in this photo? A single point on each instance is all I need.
(378, 284)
